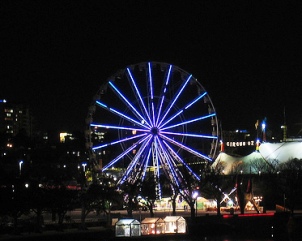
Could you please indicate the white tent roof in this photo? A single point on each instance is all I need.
(282, 152)
(127, 221)
(268, 152)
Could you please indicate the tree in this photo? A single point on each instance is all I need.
(149, 194)
(130, 193)
(15, 200)
(99, 196)
(290, 179)
(168, 190)
(60, 200)
(215, 183)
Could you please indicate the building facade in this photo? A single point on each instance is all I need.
(14, 118)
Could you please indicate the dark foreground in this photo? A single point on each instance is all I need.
(223, 228)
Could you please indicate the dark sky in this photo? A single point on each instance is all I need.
(247, 55)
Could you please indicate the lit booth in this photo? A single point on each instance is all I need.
(175, 224)
(127, 228)
(152, 226)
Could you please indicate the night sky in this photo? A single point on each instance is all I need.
(248, 56)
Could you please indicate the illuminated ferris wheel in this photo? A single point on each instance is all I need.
(153, 118)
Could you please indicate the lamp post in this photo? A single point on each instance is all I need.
(84, 166)
(20, 166)
(194, 196)
(263, 131)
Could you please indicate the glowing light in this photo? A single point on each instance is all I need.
(164, 94)
(128, 102)
(120, 114)
(84, 166)
(175, 99)
(188, 122)
(178, 158)
(138, 94)
(148, 127)
(186, 148)
(118, 127)
(194, 101)
(124, 153)
(136, 158)
(187, 134)
(119, 141)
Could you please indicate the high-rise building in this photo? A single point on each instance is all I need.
(14, 118)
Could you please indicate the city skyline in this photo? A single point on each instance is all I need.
(247, 57)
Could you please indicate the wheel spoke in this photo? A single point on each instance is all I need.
(119, 141)
(136, 158)
(175, 99)
(151, 93)
(179, 159)
(188, 122)
(163, 95)
(134, 110)
(117, 127)
(137, 93)
(166, 114)
(118, 113)
(124, 153)
(185, 148)
(187, 134)
(185, 108)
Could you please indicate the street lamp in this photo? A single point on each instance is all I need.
(263, 131)
(194, 196)
(84, 166)
(20, 166)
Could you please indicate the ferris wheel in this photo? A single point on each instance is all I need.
(152, 117)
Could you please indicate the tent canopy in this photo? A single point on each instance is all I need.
(267, 154)
(152, 220)
(127, 221)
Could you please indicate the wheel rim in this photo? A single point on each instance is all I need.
(154, 115)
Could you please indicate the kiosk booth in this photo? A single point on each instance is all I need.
(175, 224)
(152, 226)
(127, 228)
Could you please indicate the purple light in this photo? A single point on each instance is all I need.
(119, 141)
(185, 108)
(175, 99)
(171, 164)
(189, 135)
(126, 117)
(146, 164)
(180, 160)
(151, 93)
(138, 94)
(156, 116)
(101, 104)
(197, 99)
(163, 94)
(173, 117)
(128, 103)
(120, 114)
(136, 158)
(124, 153)
(187, 122)
(118, 127)
(185, 148)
